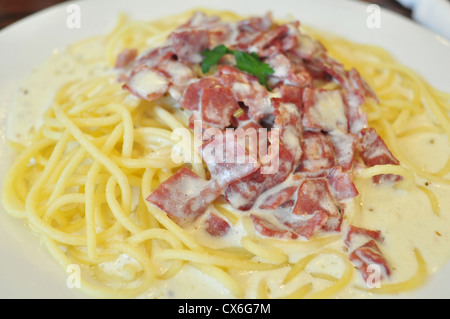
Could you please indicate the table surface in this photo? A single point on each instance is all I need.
(13, 10)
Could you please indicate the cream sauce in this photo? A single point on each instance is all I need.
(405, 217)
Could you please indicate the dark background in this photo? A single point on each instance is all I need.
(13, 10)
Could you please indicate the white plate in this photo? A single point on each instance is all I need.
(26, 269)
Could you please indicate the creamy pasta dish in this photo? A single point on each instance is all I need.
(212, 155)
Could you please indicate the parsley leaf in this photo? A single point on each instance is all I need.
(251, 64)
(213, 56)
(247, 62)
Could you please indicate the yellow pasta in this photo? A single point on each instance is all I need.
(82, 182)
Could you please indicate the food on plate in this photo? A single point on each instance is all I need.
(259, 157)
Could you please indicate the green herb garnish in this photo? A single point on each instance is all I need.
(247, 62)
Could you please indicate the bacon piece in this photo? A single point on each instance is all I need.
(255, 24)
(318, 152)
(314, 195)
(216, 225)
(307, 226)
(227, 160)
(279, 199)
(356, 91)
(264, 43)
(291, 94)
(307, 47)
(288, 121)
(345, 146)
(188, 43)
(125, 58)
(285, 73)
(354, 231)
(184, 196)
(242, 194)
(367, 251)
(324, 110)
(367, 255)
(341, 184)
(374, 151)
(192, 95)
(218, 105)
(218, 31)
(247, 90)
(266, 228)
(156, 56)
(147, 84)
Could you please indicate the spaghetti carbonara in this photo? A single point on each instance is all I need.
(98, 181)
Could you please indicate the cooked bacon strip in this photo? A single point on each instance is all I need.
(314, 195)
(192, 95)
(216, 225)
(366, 255)
(308, 226)
(367, 251)
(247, 90)
(291, 94)
(218, 105)
(227, 160)
(266, 228)
(374, 151)
(287, 73)
(184, 196)
(125, 58)
(341, 184)
(279, 199)
(345, 147)
(355, 231)
(242, 194)
(147, 84)
(288, 121)
(324, 110)
(189, 42)
(318, 152)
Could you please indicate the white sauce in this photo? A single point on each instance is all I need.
(405, 218)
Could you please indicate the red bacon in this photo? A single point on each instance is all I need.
(218, 105)
(345, 147)
(188, 43)
(308, 226)
(268, 229)
(227, 159)
(279, 199)
(341, 184)
(318, 152)
(247, 90)
(285, 73)
(313, 196)
(216, 225)
(366, 255)
(184, 196)
(288, 121)
(242, 194)
(324, 110)
(374, 151)
(126, 57)
(192, 95)
(147, 84)
(354, 231)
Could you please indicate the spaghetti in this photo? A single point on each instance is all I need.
(83, 182)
